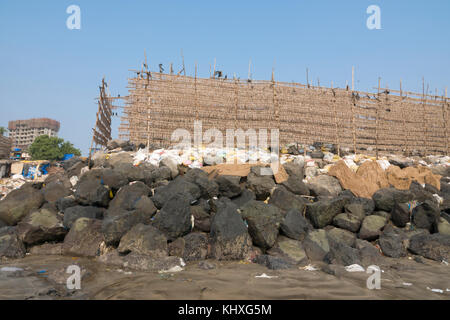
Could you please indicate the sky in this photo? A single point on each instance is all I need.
(48, 70)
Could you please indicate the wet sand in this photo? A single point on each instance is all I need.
(44, 277)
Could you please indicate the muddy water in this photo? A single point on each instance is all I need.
(44, 277)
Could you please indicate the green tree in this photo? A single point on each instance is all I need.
(51, 148)
(3, 130)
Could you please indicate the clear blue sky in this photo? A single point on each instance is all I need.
(47, 70)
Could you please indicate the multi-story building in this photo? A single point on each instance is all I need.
(23, 132)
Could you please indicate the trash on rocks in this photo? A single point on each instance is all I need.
(10, 269)
(407, 284)
(171, 270)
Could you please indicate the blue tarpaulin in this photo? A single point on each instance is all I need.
(67, 156)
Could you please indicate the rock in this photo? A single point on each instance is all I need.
(41, 226)
(115, 226)
(443, 227)
(63, 203)
(90, 191)
(419, 193)
(261, 185)
(272, 263)
(174, 219)
(385, 199)
(342, 254)
(144, 239)
(171, 164)
(20, 202)
(229, 237)
(10, 244)
(196, 247)
(383, 214)
(371, 227)
(208, 188)
(229, 186)
(295, 225)
(347, 221)
(400, 214)
(243, 198)
(341, 236)
(435, 246)
(294, 170)
(316, 245)
(321, 213)
(368, 204)
(117, 143)
(179, 185)
(130, 197)
(286, 200)
(176, 248)
(295, 185)
(393, 243)
(369, 254)
(426, 216)
(324, 185)
(84, 238)
(400, 162)
(290, 250)
(75, 169)
(357, 210)
(263, 222)
(317, 154)
(158, 175)
(73, 213)
(202, 219)
(55, 190)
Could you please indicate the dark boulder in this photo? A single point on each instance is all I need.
(202, 219)
(229, 236)
(432, 246)
(295, 185)
(63, 203)
(84, 239)
(144, 239)
(400, 214)
(342, 236)
(357, 210)
(56, 189)
(321, 213)
(426, 216)
(286, 200)
(229, 186)
(324, 185)
(129, 197)
(272, 263)
(386, 198)
(20, 202)
(243, 198)
(90, 191)
(295, 225)
(371, 227)
(290, 250)
(179, 185)
(208, 188)
(393, 243)
(73, 213)
(316, 245)
(294, 170)
(115, 226)
(196, 246)
(10, 244)
(347, 221)
(342, 254)
(174, 219)
(41, 226)
(263, 223)
(261, 185)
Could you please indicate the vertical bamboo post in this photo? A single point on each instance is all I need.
(236, 95)
(335, 121)
(353, 78)
(405, 143)
(182, 59)
(353, 105)
(249, 68)
(445, 118)
(214, 70)
(424, 117)
(376, 119)
(307, 77)
(195, 91)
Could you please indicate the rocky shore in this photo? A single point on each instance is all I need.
(145, 216)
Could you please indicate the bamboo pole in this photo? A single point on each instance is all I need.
(376, 119)
(445, 118)
(404, 120)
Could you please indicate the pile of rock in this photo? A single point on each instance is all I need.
(147, 217)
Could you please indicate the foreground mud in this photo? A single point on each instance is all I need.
(44, 277)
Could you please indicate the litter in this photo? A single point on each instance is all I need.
(265, 276)
(407, 284)
(354, 268)
(10, 269)
(309, 267)
(436, 290)
(173, 269)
